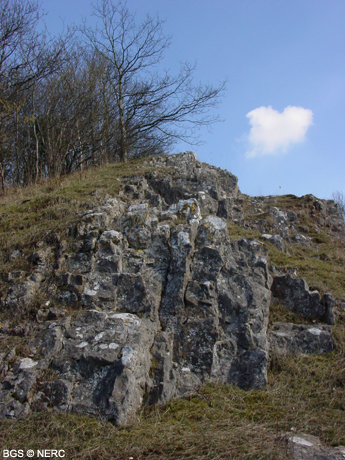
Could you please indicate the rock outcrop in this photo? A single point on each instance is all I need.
(296, 296)
(151, 298)
(300, 338)
(302, 446)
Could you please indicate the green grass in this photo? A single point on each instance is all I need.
(236, 232)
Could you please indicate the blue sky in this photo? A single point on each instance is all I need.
(284, 108)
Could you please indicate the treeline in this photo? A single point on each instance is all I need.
(91, 95)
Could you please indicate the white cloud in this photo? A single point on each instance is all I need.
(272, 132)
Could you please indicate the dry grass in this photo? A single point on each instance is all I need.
(156, 437)
(324, 275)
(305, 394)
(278, 313)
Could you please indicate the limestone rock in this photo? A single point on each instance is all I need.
(277, 240)
(301, 239)
(291, 338)
(21, 293)
(230, 208)
(296, 296)
(16, 389)
(302, 446)
(104, 364)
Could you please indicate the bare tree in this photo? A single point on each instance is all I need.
(17, 21)
(64, 105)
(339, 198)
(27, 57)
(72, 116)
(151, 109)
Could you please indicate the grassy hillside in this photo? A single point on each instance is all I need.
(304, 393)
(26, 214)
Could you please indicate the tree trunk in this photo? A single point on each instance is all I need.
(37, 154)
(123, 146)
(2, 178)
(123, 138)
(35, 132)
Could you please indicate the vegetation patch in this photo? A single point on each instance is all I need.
(28, 213)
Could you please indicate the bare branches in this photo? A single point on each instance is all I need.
(339, 198)
(26, 58)
(69, 102)
(164, 108)
(17, 21)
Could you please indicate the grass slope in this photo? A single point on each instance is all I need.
(304, 393)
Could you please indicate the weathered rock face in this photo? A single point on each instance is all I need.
(295, 295)
(299, 338)
(152, 299)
